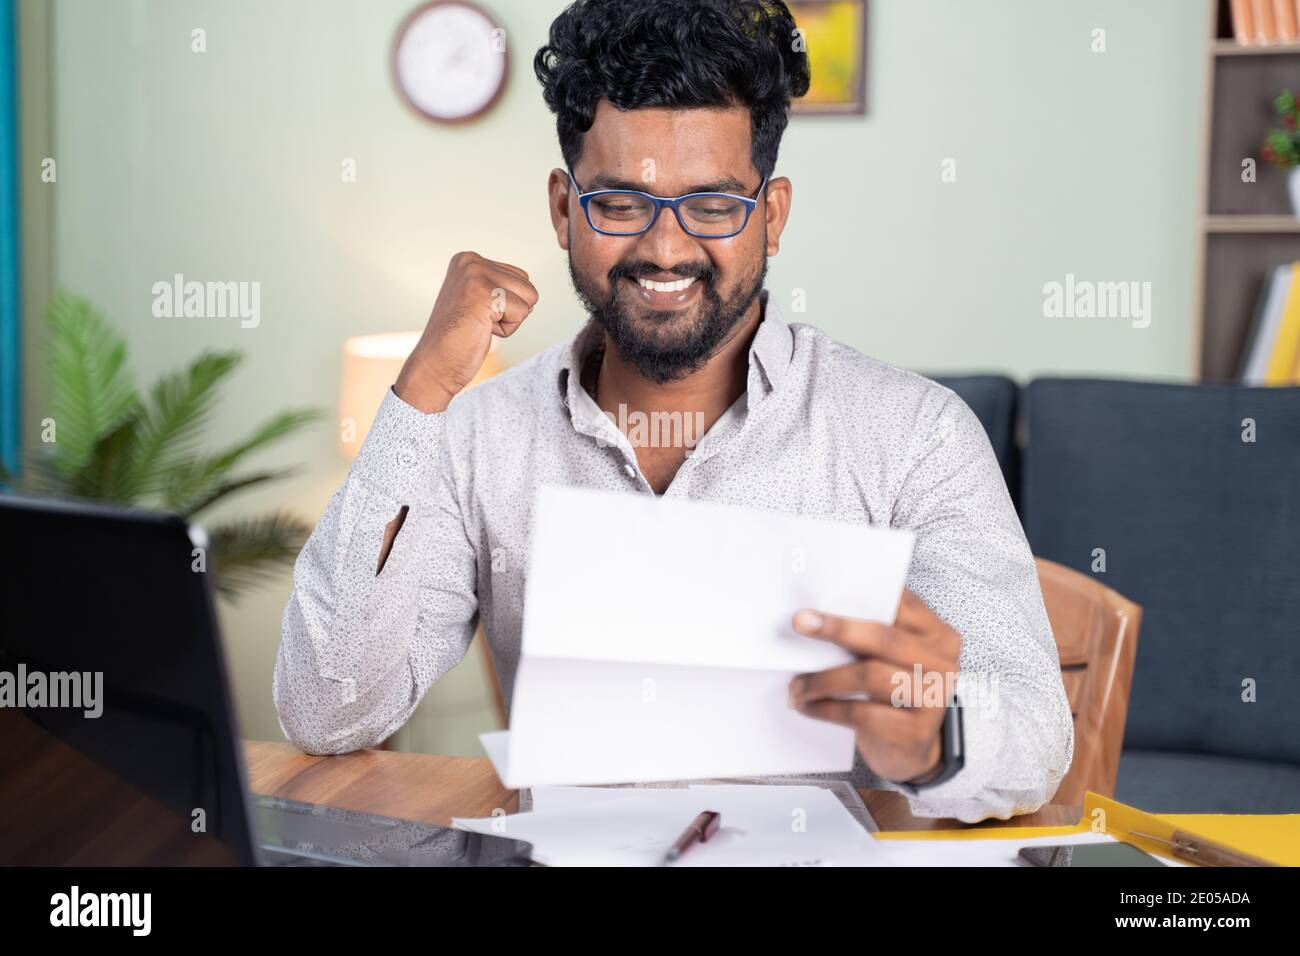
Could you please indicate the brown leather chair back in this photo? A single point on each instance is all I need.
(1096, 632)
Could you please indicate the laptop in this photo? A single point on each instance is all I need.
(118, 740)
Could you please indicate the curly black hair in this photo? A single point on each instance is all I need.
(673, 53)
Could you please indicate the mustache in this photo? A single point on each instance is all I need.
(640, 269)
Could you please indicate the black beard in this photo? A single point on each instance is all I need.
(663, 362)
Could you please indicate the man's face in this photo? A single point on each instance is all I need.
(668, 152)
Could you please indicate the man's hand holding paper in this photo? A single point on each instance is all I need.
(669, 654)
(894, 694)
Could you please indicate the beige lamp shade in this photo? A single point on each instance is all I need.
(371, 364)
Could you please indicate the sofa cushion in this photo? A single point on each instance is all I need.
(1199, 527)
(993, 400)
(1167, 782)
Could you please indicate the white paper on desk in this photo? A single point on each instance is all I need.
(625, 831)
(998, 852)
(770, 825)
(657, 638)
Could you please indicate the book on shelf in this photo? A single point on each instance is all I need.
(1264, 22)
(1243, 22)
(1272, 353)
(1284, 17)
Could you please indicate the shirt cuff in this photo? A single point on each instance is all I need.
(982, 731)
(400, 453)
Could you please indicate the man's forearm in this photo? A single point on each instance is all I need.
(1014, 761)
(386, 576)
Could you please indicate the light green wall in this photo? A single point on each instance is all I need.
(226, 165)
(35, 136)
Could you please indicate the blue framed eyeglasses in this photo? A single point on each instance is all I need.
(626, 212)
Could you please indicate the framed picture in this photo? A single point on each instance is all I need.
(835, 32)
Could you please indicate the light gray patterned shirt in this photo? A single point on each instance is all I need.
(822, 430)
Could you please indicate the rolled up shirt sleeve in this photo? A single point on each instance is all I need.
(973, 567)
(359, 649)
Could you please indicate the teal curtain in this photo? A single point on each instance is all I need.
(10, 245)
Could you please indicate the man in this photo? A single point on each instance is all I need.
(429, 533)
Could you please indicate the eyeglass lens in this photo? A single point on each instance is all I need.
(626, 213)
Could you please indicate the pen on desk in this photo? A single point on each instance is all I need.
(1206, 852)
(701, 828)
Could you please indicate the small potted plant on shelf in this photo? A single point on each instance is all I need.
(1282, 146)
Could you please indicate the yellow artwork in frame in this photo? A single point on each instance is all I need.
(835, 36)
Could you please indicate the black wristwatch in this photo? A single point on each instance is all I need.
(952, 745)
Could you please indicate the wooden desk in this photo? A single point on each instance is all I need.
(433, 789)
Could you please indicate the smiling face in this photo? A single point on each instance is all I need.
(668, 299)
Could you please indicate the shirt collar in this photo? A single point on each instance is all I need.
(770, 354)
(773, 347)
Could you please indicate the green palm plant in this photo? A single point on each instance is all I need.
(106, 441)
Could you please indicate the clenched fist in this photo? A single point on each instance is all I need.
(479, 298)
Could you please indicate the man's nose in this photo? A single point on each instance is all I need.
(667, 244)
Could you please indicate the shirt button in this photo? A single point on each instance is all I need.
(631, 472)
(405, 458)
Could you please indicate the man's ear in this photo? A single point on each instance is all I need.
(557, 191)
(778, 211)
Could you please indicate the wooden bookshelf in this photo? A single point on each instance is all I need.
(1231, 47)
(1214, 223)
(1245, 228)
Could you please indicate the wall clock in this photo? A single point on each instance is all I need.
(449, 60)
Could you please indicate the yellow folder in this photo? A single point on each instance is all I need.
(1285, 358)
(1274, 837)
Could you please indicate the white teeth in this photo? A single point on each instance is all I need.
(678, 286)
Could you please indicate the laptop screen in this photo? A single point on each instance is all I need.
(117, 740)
